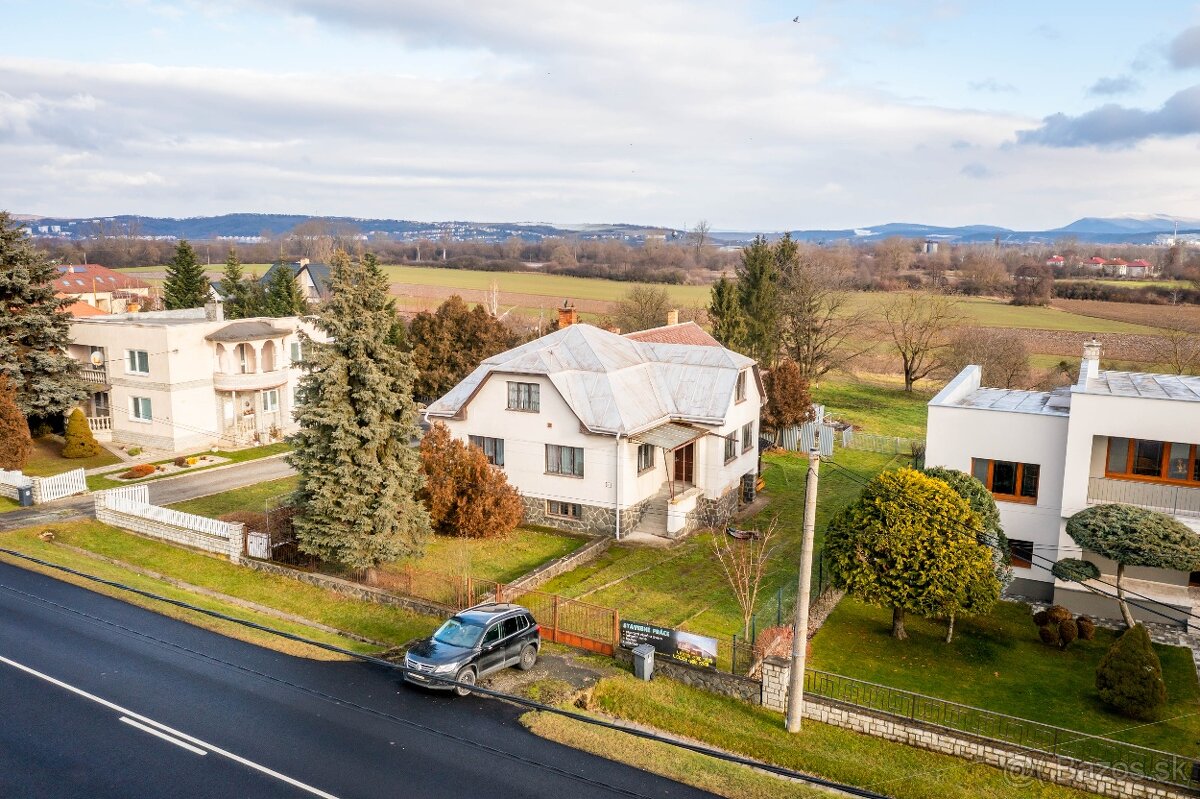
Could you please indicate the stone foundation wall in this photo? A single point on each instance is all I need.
(708, 510)
(631, 517)
(1018, 764)
(719, 682)
(595, 520)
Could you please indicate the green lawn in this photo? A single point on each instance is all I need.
(990, 312)
(684, 586)
(499, 559)
(46, 460)
(248, 498)
(893, 769)
(7, 504)
(876, 405)
(998, 663)
(369, 619)
(100, 482)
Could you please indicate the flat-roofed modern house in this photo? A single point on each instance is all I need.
(654, 431)
(182, 381)
(1112, 437)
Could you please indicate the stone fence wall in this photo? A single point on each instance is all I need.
(228, 543)
(719, 682)
(548, 571)
(1021, 765)
(351, 589)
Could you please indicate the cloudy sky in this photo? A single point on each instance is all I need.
(752, 115)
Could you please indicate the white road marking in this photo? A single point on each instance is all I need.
(196, 741)
(163, 735)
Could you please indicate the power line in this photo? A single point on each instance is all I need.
(474, 688)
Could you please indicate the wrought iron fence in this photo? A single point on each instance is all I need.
(1117, 756)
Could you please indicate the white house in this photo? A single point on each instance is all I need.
(653, 431)
(181, 381)
(1113, 437)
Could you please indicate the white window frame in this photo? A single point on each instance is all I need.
(296, 352)
(136, 405)
(270, 400)
(135, 359)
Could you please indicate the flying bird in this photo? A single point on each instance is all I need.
(796, 19)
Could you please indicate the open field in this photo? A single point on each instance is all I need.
(875, 404)
(998, 663)
(837, 754)
(1130, 312)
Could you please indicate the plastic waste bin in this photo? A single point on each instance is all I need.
(25, 496)
(643, 661)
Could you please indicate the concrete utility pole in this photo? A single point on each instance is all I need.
(795, 705)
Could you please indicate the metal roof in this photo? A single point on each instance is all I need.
(1006, 399)
(1143, 385)
(249, 330)
(615, 384)
(668, 436)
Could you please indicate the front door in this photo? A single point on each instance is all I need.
(685, 464)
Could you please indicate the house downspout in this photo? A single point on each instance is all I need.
(617, 484)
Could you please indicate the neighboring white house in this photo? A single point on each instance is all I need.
(1113, 437)
(604, 433)
(181, 381)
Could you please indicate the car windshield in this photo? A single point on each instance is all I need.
(458, 632)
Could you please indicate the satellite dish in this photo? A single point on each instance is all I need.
(97, 358)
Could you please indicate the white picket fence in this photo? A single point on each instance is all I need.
(128, 508)
(45, 489)
(59, 486)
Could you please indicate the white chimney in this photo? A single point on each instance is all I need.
(214, 311)
(672, 317)
(1089, 367)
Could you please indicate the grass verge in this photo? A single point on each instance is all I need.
(830, 752)
(998, 663)
(368, 619)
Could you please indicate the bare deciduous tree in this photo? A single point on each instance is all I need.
(699, 237)
(816, 319)
(1001, 354)
(1177, 346)
(919, 325)
(744, 564)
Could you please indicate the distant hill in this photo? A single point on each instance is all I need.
(1120, 229)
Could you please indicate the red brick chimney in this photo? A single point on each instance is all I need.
(567, 315)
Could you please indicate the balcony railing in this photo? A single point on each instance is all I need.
(1169, 499)
(94, 375)
(99, 423)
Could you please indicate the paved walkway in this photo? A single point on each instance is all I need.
(164, 491)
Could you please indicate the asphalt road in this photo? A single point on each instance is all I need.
(104, 699)
(165, 491)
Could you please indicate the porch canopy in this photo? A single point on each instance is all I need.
(668, 436)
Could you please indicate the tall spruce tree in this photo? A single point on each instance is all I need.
(283, 295)
(34, 329)
(358, 475)
(236, 288)
(186, 285)
(725, 314)
(758, 291)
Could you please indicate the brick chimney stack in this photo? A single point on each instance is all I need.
(673, 317)
(567, 315)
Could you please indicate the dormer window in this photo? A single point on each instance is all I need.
(524, 397)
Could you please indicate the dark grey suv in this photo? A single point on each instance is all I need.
(473, 644)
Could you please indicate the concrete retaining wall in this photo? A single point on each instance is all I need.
(1019, 764)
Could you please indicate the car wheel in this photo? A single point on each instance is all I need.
(528, 657)
(466, 676)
